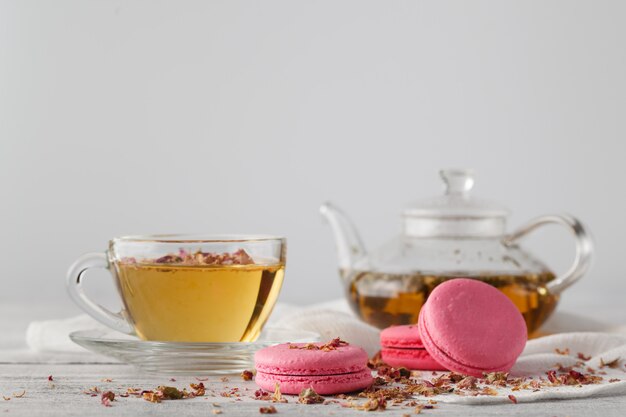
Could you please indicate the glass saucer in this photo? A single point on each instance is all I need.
(180, 358)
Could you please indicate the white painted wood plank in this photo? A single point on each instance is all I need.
(65, 397)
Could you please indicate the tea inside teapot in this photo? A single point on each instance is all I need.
(386, 299)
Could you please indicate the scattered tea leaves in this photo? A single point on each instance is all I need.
(263, 395)
(309, 396)
(107, 397)
(610, 364)
(247, 375)
(277, 397)
(198, 390)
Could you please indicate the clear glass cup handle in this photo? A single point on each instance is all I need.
(584, 247)
(75, 277)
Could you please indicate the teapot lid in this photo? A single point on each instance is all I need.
(456, 213)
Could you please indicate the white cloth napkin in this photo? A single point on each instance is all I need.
(53, 335)
(540, 355)
(330, 319)
(334, 319)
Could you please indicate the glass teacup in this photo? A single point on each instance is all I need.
(187, 288)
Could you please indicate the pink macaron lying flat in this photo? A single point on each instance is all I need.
(472, 328)
(297, 366)
(402, 347)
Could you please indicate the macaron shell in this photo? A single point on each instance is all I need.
(450, 363)
(471, 327)
(294, 359)
(322, 384)
(405, 337)
(418, 359)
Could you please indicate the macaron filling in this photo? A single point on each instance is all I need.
(315, 376)
(275, 370)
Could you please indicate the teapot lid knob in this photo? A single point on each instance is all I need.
(458, 181)
(456, 213)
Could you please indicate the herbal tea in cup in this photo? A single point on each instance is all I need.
(188, 288)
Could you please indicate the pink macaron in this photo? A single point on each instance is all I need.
(402, 347)
(332, 368)
(472, 328)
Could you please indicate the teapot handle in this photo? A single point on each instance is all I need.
(584, 247)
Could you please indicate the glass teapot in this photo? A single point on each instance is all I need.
(451, 236)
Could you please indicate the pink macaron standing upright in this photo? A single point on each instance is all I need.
(297, 366)
(402, 347)
(472, 328)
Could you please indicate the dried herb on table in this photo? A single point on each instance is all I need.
(247, 375)
(309, 396)
(497, 378)
(376, 361)
(277, 397)
(611, 364)
(198, 390)
(107, 397)
(263, 395)
(93, 391)
(469, 383)
(170, 393)
(268, 410)
(572, 378)
(19, 395)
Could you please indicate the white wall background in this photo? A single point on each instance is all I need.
(126, 117)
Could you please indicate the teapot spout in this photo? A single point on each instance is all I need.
(347, 240)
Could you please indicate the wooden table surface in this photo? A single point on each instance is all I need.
(22, 371)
